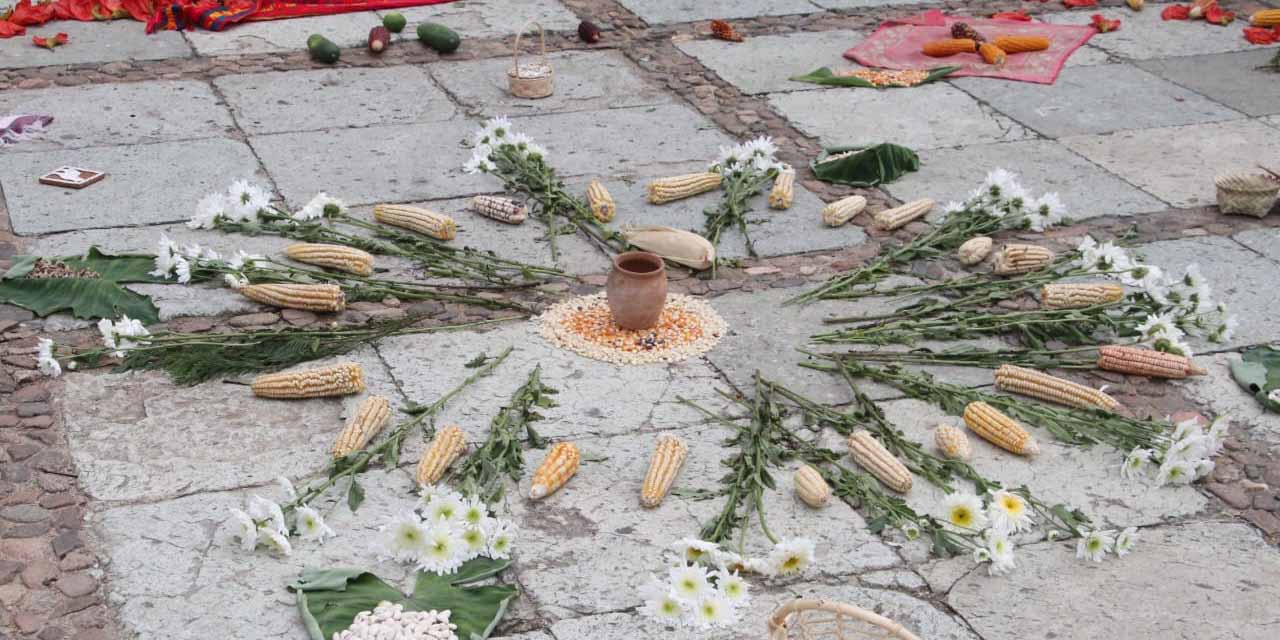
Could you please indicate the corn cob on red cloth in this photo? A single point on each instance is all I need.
(897, 44)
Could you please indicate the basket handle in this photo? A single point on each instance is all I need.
(515, 50)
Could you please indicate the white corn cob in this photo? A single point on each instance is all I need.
(952, 442)
(1074, 296)
(1021, 258)
(424, 221)
(974, 250)
(891, 219)
(843, 210)
(999, 429)
(668, 457)
(877, 460)
(338, 380)
(1038, 384)
(811, 488)
(664, 190)
(600, 202)
(332, 256)
(676, 245)
(444, 451)
(308, 297)
(784, 189)
(556, 469)
(500, 209)
(363, 426)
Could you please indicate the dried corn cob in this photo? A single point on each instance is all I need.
(500, 209)
(556, 469)
(308, 297)
(1074, 296)
(952, 442)
(338, 380)
(332, 256)
(424, 221)
(784, 189)
(1146, 362)
(811, 488)
(999, 429)
(664, 190)
(877, 460)
(1265, 18)
(444, 451)
(363, 426)
(991, 54)
(668, 457)
(1021, 44)
(974, 250)
(1136, 5)
(601, 203)
(1037, 384)
(1021, 258)
(949, 47)
(841, 211)
(891, 219)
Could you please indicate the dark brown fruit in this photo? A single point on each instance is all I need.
(588, 32)
(964, 31)
(379, 38)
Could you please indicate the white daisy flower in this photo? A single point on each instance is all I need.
(728, 560)
(690, 583)
(474, 512)
(1000, 550)
(1188, 449)
(242, 258)
(533, 149)
(953, 207)
(1126, 541)
(1094, 545)
(762, 146)
(1175, 471)
(107, 329)
(1109, 257)
(444, 550)
(731, 586)
(713, 611)
(1215, 435)
(1136, 463)
(474, 541)
(1203, 467)
(1227, 330)
(268, 512)
(182, 270)
(166, 251)
(695, 550)
(246, 530)
(276, 541)
(1052, 535)
(208, 211)
(981, 555)
(964, 511)
(497, 128)
(326, 204)
(1186, 428)
(790, 556)
(1045, 211)
(245, 199)
(290, 494)
(45, 361)
(911, 530)
(660, 602)
(500, 536)
(1001, 183)
(428, 491)
(234, 281)
(479, 162)
(310, 525)
(444, 508)
(406, 537)
(1008, 513)
(1160, 325)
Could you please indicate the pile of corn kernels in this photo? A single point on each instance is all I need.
(686, 328)
(391, 622)
(880, 78)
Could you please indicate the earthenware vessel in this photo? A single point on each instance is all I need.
(637, 289)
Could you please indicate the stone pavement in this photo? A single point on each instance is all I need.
(114, 487)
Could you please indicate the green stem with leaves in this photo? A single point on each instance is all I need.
(732, 210)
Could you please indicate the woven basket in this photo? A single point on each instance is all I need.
(827, 620)
(530, 79)
(1249, 194)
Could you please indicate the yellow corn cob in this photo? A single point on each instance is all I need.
(891, 219)
(1072, 296)
(601, 203)
(843, 210)
(363, 426)
(784, 189)
(1136, 5)
(424, 221)
(665, 190)
(1265, 18)
(444, 451)
(338, 380)
(1021, 258)
(877, 460)
(309, 297)
(332, 256)
(999, 429)
(974, 250)
(1037, 384)
(952, 442)
(1146, 362)
(811, 488)
(668, 457)
(500, 209)
(556, 469)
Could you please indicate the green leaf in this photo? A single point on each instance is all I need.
(355, 495)
(825, 76)
(476, 362)
(868, 167)
(82, 297)
(329, 599)
(125, 267)
(1258, 372)
(22, 265)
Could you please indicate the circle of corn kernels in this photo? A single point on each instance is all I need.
(687, 327)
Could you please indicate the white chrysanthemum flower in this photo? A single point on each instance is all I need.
(245, 200)
(444, 550)
(234, 281)
(166, 250)
(1008, 513)
(1136, 463)
(981, 555)
(1112, 258)
(1192, 278)
(290, 494)
(1160, 325)
(790, 556)
(268, 512)
(1188, 449)
(1227, 330)
(208, 211)
(1045, 211)
(964, 511)
(520, 141)
(479, 162)
(246, 530)
(731, 586)
(728, 560)
(473, 541)
(1143, 276)
(690, 583)
(1214, 436)
(660, 602)
(1126, 541)
(444, 508)
(1000, 550)
(953, 207)
(1053, 535)
(911, 530)
(695, 550)
(310, 525)
(757, 565)
(1203, 467)
(406, 537)
(1001, 183)
(533, 149)
(107, 329)
(500, 537)
(474, 512)
(497, 128)
(182, 270)
(762, 146)
(429, 491)
(327, 205)
(276, 541)
(1174, 471)
(1186, 428)
(713, 611)
(1094, 545)
(45, 361)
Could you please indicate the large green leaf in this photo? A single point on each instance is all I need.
(825, 76)
(83, 297)
(329, 599)
(867, 167)
(1258, 372)
(124, 267)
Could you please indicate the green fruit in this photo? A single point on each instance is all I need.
(322, 49)
(394, 22)
(439, 37)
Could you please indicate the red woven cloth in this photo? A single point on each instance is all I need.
(896, 45)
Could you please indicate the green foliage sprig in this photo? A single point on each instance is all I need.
(502, 454)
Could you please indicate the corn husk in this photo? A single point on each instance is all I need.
(676, 245)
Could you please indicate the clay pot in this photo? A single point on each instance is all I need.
(637, 289)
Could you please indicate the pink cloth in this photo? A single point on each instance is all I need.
(896, 45)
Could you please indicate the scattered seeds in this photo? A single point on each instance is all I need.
(688, 327)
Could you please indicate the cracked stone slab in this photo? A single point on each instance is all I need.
(1233, 79)
(120, 113)
(129, 195)
(584, 80)
(1177, 164)
(1096, 99)
(282, 101)
(1233, 571)
(1264, 241)
(926, 117)
(270, 36)
(1042, 166)
(676, 11)
(94, 42)
(1145, 35)
(1218, 392)
(763, 64)
(489, 18)
(137, 436)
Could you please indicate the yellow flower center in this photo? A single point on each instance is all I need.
(1012, 505)
(791, 563)
(961, 516)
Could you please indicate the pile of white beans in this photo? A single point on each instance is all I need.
(391, 622)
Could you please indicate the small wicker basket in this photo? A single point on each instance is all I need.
(531, 79)
(1250, 194)
(826, 620)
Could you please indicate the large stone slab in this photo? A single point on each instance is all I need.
(927, 117)
(763, 64)
(270, 36)
(137, 436)
(1233, 79)
(676, 11)
(120, 113)
(334, 98)
(1177, 164)
(92, 42)
(1219, 394)
(1144, 35)
(145, 184)
(1042, 166)
(584, 80)
(490, 18)
(1264, 241)
(1212, 566)
(1096, 99)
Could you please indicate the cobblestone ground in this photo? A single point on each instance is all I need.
(113, 487)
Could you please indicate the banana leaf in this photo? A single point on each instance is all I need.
(86, 298)
(1258, 372)
(868, 167)
(825, 76)
(330, 599)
